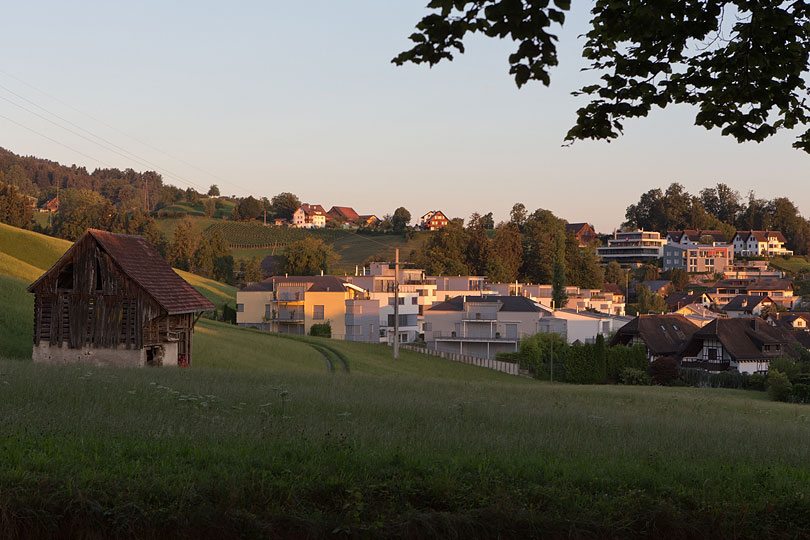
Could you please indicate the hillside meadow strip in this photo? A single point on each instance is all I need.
(269, 445)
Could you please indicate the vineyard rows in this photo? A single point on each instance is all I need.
(256, 235)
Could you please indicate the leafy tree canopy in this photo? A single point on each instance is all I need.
(742, 63)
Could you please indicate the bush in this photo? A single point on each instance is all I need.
(321, 330)
(785, 365)
(664, 370)
(801, 393)
(756, 381)
(779, 387)
(636, 377)
(619, 357)
(705, 379)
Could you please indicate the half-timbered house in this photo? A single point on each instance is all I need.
(112, 300)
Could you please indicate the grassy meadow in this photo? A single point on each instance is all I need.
(260, 439)
(283, 448)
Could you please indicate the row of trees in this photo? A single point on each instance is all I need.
(720, 208)
(530, 247)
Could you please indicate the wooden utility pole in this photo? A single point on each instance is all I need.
(396, 304)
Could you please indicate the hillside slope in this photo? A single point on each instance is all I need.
(26, 255)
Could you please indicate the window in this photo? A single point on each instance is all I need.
(427, 327)
(268, 310)
(711, 353)
(414, 300)
(317, 313)
(240, 308)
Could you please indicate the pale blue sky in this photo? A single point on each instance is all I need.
(266, 97)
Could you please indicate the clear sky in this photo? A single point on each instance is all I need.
(264, 97)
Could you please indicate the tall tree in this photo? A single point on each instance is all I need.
(748, 76)
(184, 245)
(213, 191)
(308, 257)
(445, 253)
(508, 249)
(284, 205)
(558, 295)
(400, 219)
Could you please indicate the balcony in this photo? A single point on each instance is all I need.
(294, 317)
(708, 365)
(452, 336)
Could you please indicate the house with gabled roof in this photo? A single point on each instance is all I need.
(433, 220)
(584, 232)
(111, 299)
(692, 237)
(781, 291)
(343, 214)
(678, 299)
(746, 305)
(760, 244)
(309, 216)
(747, 345)
(662, 335)
(368, 220)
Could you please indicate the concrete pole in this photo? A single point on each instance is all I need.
(396, 305)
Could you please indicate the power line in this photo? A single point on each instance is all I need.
(144, 143)
(133, 157)
(54, 140)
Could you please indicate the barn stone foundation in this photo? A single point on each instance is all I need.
(45, 354)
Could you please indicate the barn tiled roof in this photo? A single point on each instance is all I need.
(139, 260)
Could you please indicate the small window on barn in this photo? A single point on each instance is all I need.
(99, 282)
(240, 308)
(65, 279)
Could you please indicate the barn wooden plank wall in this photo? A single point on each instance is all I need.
(90, 302)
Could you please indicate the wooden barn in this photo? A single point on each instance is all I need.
(112, 300)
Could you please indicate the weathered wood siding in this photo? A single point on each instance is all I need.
(88, 301)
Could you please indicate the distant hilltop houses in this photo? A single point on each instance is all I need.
(313, 216)
(696, 251)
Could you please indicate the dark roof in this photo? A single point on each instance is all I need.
(258, 286)
(745, 303)
(313, 283)
(743, 338)
(656, 285)
(576, 227)
(663, 334)
(139, 260)
(761, 236)
(509, 303)
(312, 209)
(770, 285)
(612, 288)
(695, 235)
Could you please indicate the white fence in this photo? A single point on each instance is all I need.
(504, 367)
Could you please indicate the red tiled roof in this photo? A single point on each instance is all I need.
(344, 212)
(143, 264)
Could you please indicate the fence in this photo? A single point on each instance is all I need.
(498, 365)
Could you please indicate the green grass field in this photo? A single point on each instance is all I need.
(260, 440)
(281, 448)
(792, 265)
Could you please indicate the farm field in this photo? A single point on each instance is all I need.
(351, 248)
(249, 443)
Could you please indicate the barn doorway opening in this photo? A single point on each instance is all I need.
(154, 356)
